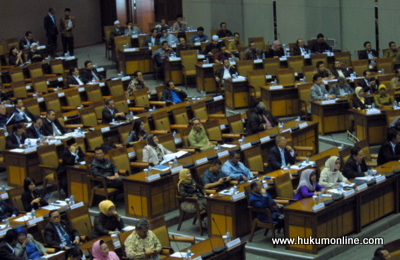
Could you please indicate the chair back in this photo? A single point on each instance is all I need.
(364, 145)
(344, 57)
(116, 87)
(57, 66)
(2, 48)
(40, 84)
(138, 147)
(35, 70)
(384, 64)
(236, 124)
(168, 142)
(344, 155)
(121, 104)
(319, 57)
(200, 170)
(94, 139)
(119, 157)
(52, 101)
(259, 41)
(256, 78)
(284, 186)
(93, 92)
(242, 49)
(48, 155)
(107, 31)
(159, 227)
(213, 130)
(98, 108)
(253, 159)
(73, 97)
(159, 91)
(88, 116)
(296, 63)
(180, 115)
(16, 74)
(79, 219)
(10, 42)
(244, 66)
(32, 105)
(286, 77)
(359, 66)
(350, 100)
(185, 136)
(19, 89)
(161, 120)
(391, 115)
(304, 92)
(123, 132)
(14, 196)
(320, 164)
(271, 65)
(189, 60)
(141, 98)
(199, 110)
(308, 72)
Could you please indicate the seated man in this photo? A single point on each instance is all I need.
(130, 29)
(116, 31)
(300, 48)
(34, 55)
(225, 72)
(234, 45)
(27, 41)
(214, 178)
(235, 169)
(21, 113)
(103, 167)
(182, 46)
(35, 131)
(6, 210)
(261, 119)
(325, 73)
(395, 82)
(199, 36)
(368, 53)
(142, 243)
(280, 155)
(369, 83)
(51, 125)
(152, 39)
(173, 94)
(318, 90)
(224, 33)
(3, 116)
(180, 25)
(74, 80)
(393, 53)
(163, 53)
(72, 155)
(8, 244)
(339, 71)
(259, 198)
(389, 150)
(381, 253)
(252, 53)
(214, 44)
(170, 38)
(58, 233)
(162, 25)
(355, 165)
(17, 138)
(89, 73)
(110, 113)
(198, 136)
(222, 54)
(137, 83)
(320, 46)
(341, 88)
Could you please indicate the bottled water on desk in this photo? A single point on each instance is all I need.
(395, 104)
(189, 254)
(373, 105)
(263, 55)
(154, 108)
(72, 199)
(3, 188)
(33, 213)
(175, 161)
(228, 236)
(383, 71)
(341, 187)
(174, 134)
(149, 170)
(7, 222)
(235, 189)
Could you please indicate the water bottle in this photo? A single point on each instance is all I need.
(202, 94)
(198, 52)
(131, 115)
(341, 187)
(395, 104)
(228, 236)
(154, 109)
(189, 254)
(288, 166)
(308, 159)
(207, 61)
(79, 129)
(373, 105)
(175, 161)
(122, 74)
(150, 169)
(235, 189)
(263, 55)
(283, 125)
(68, 54)
(3, 188)
(243, 138)
(218, 147)
(7, 222)
(383, 71)
(369, 172)
(33, 213)
(174, 134)
(298, 118)
(236, 75)
(72, 199)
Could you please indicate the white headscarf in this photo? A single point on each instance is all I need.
(305, 180)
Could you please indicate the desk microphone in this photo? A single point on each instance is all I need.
(134, 214)
(145, 103)
(89, 232)
(173, 236)
(209, 254)
(163, 125)
(221, 248)
(184, 117)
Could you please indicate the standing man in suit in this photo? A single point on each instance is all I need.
(390, 150)
(261, 119)
(338, 71)
(225, 72)
(58, 233)
(151, 39)
(355, 165)
(7, 246)
(89, 73)
(26, 42)
(67, 23)
(21, 114)
(300, 48)
(50, 26)
(280, 155)
(369, 83)
(110, 113)
(51, 125)
(17, 138)
(35, 130)
(368, 54)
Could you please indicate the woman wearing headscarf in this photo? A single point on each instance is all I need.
(188, 187)
(108, 221)
(276, 50)
(154, 152)
(359, 102)
(308, 185)
(331, 174)
(100, 251)
(27, 247)
(382, 98)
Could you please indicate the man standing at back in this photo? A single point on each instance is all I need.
(67, 23)
(50, 26)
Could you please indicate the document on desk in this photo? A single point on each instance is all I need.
(228, 145)
(172, 156)
(179, 255)
(366, 178)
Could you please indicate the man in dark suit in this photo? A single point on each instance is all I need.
(51, 125)
(72, 155)
(35, 130)
(21, 114)
(355, 165)
(50, 26)
(260, 119)
(6, 210)
(89, 73)
(368, 53)
(173, 94)
(369, 83)
(152, 39)
(300, 48)
(26, 42)
(319, 46)
(390, 150)
(58, 233)
(338, 71)
(17, 138)
(225, 72)
(74, 80)
(280, 155)
(7, 246)
(110, 113)
(3, 116)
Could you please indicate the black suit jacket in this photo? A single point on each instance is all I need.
(386, 153)
(220, 72)
(320, 47)
(11, 141)
(24, 42)
(87, 76)
(6, 253)
(69, 159)
(297, 51)
(47, 127)
(31, 132)
(51, 235)
(49, 26)
(365, 87)
(358, 104)
(167, 96)
(114, 33)
(345, 72)
(71, 80)
(275, 159)
(364, 55)
(27, 198)
(350, 170)
(107, 117)
(147, 40)
(27, 113)
(254, 124)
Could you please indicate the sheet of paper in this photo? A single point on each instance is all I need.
(228, 145)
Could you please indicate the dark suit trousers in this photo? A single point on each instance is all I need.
(68, 45)
(52, 41)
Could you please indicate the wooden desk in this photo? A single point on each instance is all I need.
(281, 102)
(331, 117)
(371, 127)
(130, 61)
(205, 78)
(173, 71)
(236, 94)
(78, 183)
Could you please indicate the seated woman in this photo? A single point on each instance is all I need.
(331, 174)
(382, 98)
(100, 251)
(31, 198)
(138, 133)
(188, 187)
(308, 185)
(359, 102)
(27, 247)
(276, 50)
(154, 152)
(15, 57)
(108, 221)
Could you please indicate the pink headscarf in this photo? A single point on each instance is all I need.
(98, 255)
(275, 45)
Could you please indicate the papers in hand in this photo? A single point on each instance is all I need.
(172, 156)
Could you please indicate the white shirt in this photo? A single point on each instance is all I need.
(393, 147)
(79, 80)
(227, 74)
(340, 73)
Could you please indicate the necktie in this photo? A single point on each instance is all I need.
(95, 76)
(283, 157)
(64, 236)
(56, 131)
